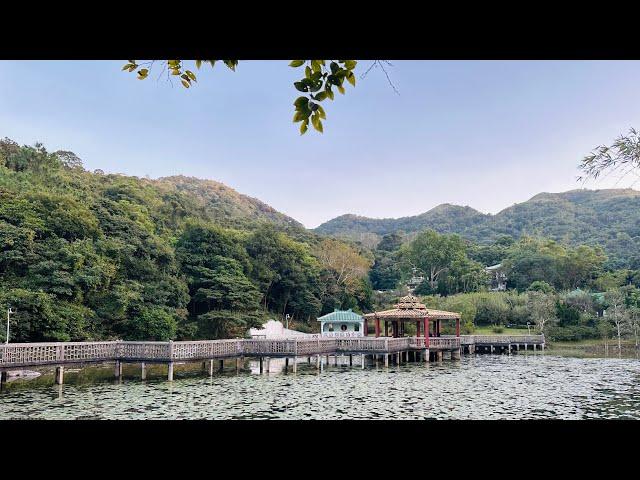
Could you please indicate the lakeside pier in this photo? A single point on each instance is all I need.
(15, 356)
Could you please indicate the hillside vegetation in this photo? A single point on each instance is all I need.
(609, 218)
(85, 255)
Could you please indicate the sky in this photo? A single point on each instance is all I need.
(486, 134)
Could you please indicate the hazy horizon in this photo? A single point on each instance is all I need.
(483, 134)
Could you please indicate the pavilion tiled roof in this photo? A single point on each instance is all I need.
(340, 316)
(410, 307)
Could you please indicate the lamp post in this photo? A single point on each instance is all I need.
(10, 312)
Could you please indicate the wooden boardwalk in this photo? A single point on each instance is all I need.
(21, 355)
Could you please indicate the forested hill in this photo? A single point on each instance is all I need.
(610, 218)
(88, 255)
(224, 204)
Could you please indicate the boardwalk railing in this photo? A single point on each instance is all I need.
(33, 354)
(502, 339)
(436, 342)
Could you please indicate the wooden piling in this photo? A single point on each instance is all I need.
(60, 375)
(143, 371)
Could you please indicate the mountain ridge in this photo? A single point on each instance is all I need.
(607, 217)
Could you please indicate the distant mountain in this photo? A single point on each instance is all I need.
(223, 203)
(610, 218)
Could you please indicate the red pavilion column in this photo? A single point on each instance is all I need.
(457, 327)
(426, 332)
(377, 327)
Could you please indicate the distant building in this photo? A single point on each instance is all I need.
(414, 281)
(497, 278)
(341, 323)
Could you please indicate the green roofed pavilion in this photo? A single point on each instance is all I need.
(342, 323)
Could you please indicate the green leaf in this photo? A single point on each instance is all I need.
(317, 124)
(341, 89)
(321, 96)
(296, 63)
(185, 83)
(350, 64)
(351, 78)
(231, 64)
(303, 127)
(175, 72)
(127, 66)
(191, 75)
(198, 63)
(321, 113)
(330, 93)
(307, 72)
(334, 67)
(300, 101)
(301, 87)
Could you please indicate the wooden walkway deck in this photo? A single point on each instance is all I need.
(21, 355)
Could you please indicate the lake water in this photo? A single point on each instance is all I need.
(525, 386)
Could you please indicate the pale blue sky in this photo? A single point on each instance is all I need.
(481, 133)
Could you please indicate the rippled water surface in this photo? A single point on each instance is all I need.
(477, 387)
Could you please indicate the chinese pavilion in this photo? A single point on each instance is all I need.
(409, 309)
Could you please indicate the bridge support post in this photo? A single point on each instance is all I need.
(534, 347)
(268, 362)
(426, 355)
(143, 371)
(386, 359)
(350, 360)
(238, 361)
(3, 379)
(318, 362)
(170, 372)
(60, 375)
(309, 360)
(327, 360)
(335, 360)
(542, 347)
(221, 366)
(455, 354)
(440, 355)
(491, 348)
(286, 364)
(509, 349)
(118, 369)
(261, 364)
(295, 364)
(363, 359)
(210, 368)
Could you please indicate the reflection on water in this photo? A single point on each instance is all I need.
(477, 387)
